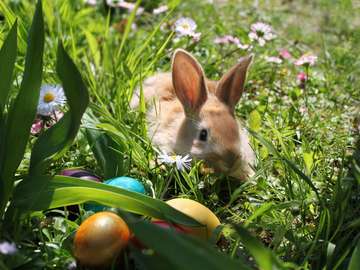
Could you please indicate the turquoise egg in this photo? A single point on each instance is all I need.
(127, 183)
(124, 182)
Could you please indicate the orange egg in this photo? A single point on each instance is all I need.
(200, 213)
(100, 238)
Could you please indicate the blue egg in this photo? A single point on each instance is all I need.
(124, 182)
(127, 183)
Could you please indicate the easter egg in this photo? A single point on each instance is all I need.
(100, 239)
(168, 226)
(124, 182)
(200, 213)
(79, 173)
(127, 183)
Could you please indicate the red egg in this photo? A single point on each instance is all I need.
(100, 239)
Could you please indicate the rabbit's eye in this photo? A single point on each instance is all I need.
(203, 135)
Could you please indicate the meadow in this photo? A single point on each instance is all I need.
(301, 106)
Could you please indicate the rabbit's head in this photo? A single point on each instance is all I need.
(210, 130)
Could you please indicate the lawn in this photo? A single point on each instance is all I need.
(301, 107)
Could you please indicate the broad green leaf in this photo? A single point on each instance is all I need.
(56, 140)
(7, 63)
(255, 120)
(184, 251)
(150, 261)
(103, 147)
(355, 258)
(44, 192)
(23, 110)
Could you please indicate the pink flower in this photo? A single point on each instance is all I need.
(36, 126)
(196, 36)
(285, 54)
(307, 59)
(45, 122)
(301, 77)
(227, 39)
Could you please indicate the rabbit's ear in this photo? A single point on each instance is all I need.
(231, 85)
(188, 81)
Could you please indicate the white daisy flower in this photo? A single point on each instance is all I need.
(181, 163)
(160, 9)
(185, 27)
(273, 59)
(51, 98)
(261, 32)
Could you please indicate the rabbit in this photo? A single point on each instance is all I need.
(190, 114)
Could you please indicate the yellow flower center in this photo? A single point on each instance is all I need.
(186, 26)
(48, 97)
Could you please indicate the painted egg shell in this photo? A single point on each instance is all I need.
(168, 226)
(82, 174)
(162, 224)
(100, 239)
(127, 183)
(124, 182)
(198, 212)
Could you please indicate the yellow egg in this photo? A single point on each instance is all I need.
(198, 212)
(100, 238)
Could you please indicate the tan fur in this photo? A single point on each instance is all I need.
(175, 131)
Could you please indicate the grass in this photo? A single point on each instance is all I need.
(303, 202)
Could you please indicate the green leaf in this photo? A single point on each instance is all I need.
(255, 120)
(7, 63)
(184, 251)
(355, 258)
(56, 191)
(56, 140)
(308, 160)
(102, 145)
(23, 110)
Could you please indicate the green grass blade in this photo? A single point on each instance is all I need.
(59, 191)
(11, 18)
(7, 63)
(263, 256)
(56, 140)
(23, 110)
(288, 162)
(103, 147)
(355, 258)
(184, 251)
